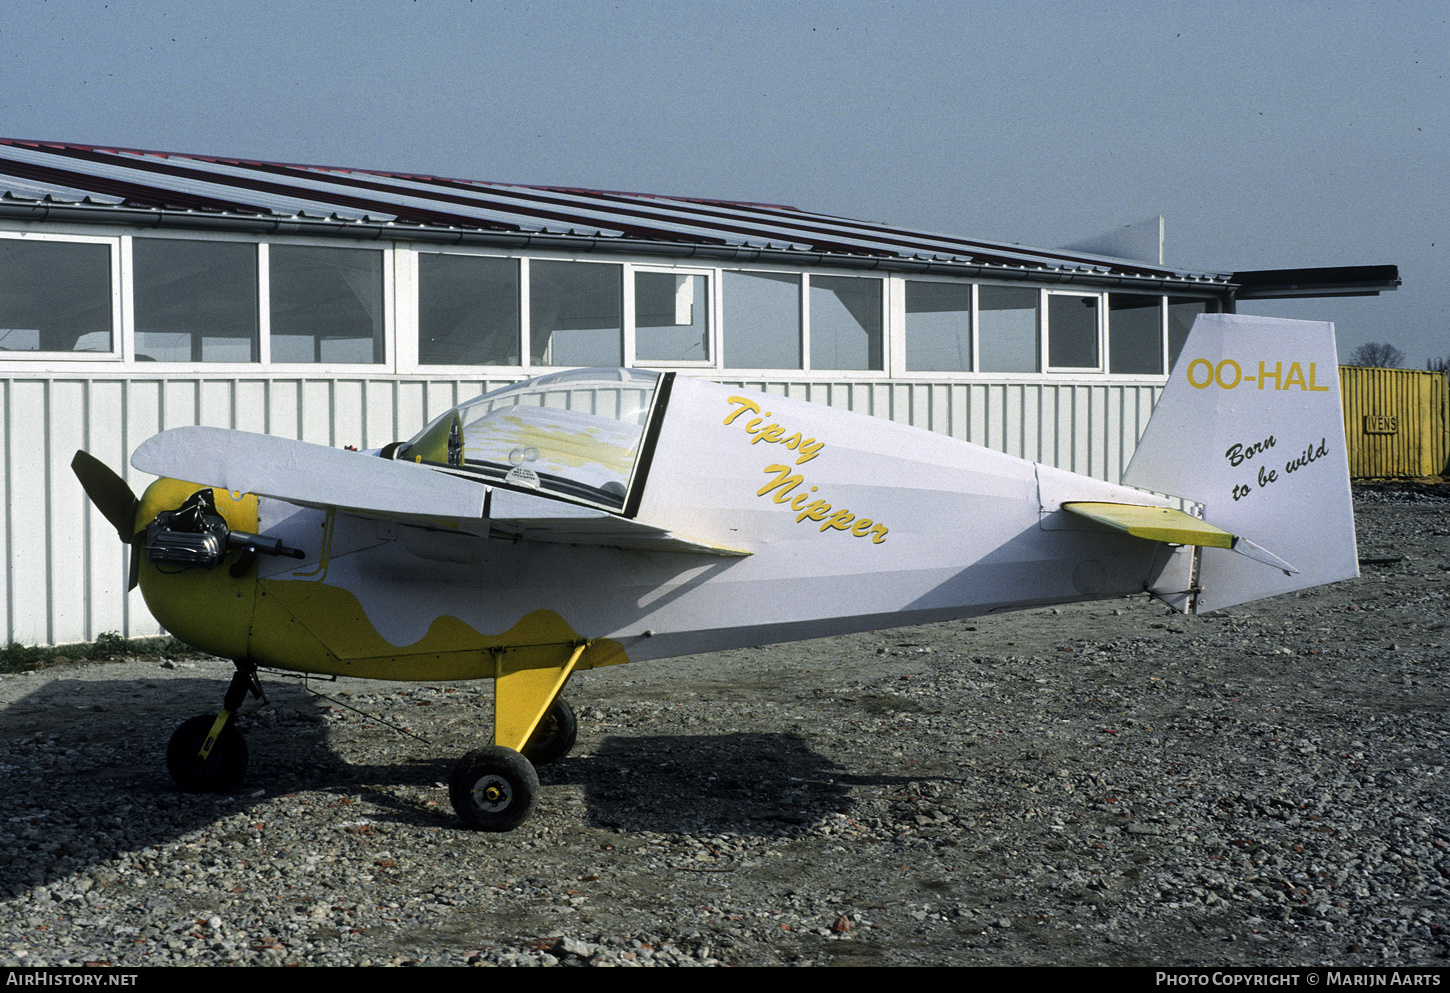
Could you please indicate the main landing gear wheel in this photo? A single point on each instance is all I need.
(493, 788)
(224, 766)
(554, 736)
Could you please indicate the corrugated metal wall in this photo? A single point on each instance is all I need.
(1396, 421)
(65, 572)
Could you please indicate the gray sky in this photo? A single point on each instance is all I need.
(1269, 134)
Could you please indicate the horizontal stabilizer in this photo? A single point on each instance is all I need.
(1153, 523)
(1174, 527)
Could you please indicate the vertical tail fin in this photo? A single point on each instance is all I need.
(1250, 426)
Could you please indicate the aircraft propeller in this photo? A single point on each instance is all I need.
(117, 504)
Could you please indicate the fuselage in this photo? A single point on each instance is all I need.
(851, 523)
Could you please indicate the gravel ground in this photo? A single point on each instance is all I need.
(1104, 784)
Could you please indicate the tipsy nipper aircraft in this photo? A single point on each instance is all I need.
(594, 517)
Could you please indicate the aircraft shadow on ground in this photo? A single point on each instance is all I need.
(83, 767)
(742, 782)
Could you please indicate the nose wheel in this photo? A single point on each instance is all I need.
(222, 766)
(207, 754)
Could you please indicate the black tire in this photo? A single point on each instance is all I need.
(493, 788)
(224, 767)
(555, 735)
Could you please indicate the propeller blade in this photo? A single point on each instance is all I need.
(109, 492)
(134, 575)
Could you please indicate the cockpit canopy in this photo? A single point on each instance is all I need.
(575, 434)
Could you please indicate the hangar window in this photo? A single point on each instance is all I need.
(938, 326)
(845, 326)
(1007, 328)
(468, 310)
(56, 296)
(326, 304)
(762, 320)
(1135, 334)
(1181, 315)
(576, 314)
(195, 301)
(1072, 331)
(671, 317)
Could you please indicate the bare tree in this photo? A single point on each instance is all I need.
(1383, 355)
(1438, 365)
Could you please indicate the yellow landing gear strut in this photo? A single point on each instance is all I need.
(493, 788)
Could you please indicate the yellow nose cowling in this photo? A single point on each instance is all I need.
(209, 609)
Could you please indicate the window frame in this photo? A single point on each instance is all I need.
(898, 288)
(1099, 327)
(132, 328)
(1162, 299)
(388, 365)
(120, 350)
(883, 316)
(712, 312)
(764, 372)
(1039, 332)
(409, 313)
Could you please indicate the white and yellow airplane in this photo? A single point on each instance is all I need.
(594, 517)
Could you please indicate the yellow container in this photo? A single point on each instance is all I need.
(1395, 421)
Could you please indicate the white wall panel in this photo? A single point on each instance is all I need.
(379, 414)
(412, 406)
(27, 512)
(65, 511)
(1021, 421)
(178, 403)
(214, 403)
(250, 405)
(315, 411)
(441, 397)
(1058, 437)
(281, 408)
(104, 579)
(348, 416)
(1094, 432)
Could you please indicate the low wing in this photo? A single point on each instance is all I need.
(309, 475)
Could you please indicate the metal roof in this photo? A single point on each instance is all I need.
(58, 181)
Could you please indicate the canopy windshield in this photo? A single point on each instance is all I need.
(575, 434)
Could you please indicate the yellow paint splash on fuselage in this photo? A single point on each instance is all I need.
(318, 627)
(309, 626)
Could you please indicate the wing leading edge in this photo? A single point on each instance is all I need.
(310, 475)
